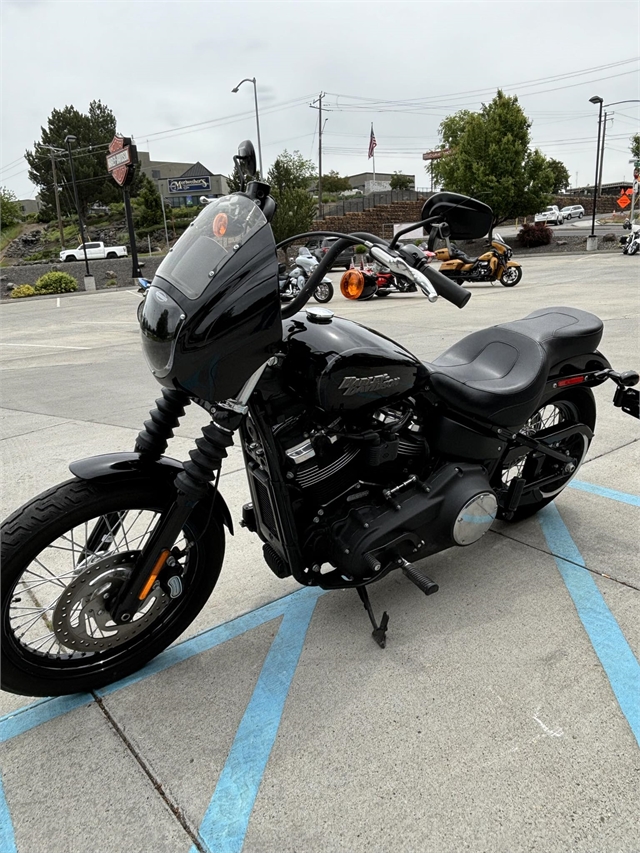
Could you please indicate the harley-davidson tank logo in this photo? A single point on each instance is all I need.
(364, 384)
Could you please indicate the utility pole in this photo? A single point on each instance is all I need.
(52, 149)
(604, 131)
(319, 108)
(69, 139)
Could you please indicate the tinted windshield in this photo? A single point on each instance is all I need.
(213, 237)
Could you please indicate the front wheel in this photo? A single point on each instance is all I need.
(568, 408)
(65, 555)
(70, 258)
(511, 276)
(323, 292)
(633, 248)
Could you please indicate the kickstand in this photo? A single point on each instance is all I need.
(379, 631)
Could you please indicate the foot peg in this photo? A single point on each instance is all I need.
(421, 581)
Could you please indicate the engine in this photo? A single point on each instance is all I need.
(365, 500)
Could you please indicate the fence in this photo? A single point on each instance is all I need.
(366, 202)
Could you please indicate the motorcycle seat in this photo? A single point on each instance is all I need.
(499, 373)
(457, 254)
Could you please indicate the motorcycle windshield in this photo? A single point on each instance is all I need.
(212, 239)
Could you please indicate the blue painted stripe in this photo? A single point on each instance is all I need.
(619, 663)
(7, 838)
(43, 710)
(24, 719)
(225, 822)
(603, 492)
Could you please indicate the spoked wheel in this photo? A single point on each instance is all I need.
(65, 555)
(568, 408)
(323, 292)
(511, 276)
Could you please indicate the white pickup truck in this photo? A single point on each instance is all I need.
(551, 214)
(95, 251)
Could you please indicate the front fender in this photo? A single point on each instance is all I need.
(133, 466)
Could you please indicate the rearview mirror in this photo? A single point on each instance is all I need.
(467, 218)
(246, 158)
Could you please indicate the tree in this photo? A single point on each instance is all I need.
(147, 205)
(290, 178)
(561, 176)
(491, 160)
(94, 131)
(10, 211)
(401, 182)
(634, 146)
(333, 183)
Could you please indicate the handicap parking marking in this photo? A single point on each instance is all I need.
(226, 819)
(604, 492)
(7, 837)
(609, 643)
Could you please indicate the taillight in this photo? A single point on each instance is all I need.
(574, 380)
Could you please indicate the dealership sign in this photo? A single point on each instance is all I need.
(121, 160)
(189, 185)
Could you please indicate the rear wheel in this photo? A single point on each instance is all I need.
(111, 255)
(64, 557)
(568, 408)
(511, 276)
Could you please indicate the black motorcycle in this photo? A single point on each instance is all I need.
(361, 458)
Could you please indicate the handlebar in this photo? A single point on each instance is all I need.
(408, 262)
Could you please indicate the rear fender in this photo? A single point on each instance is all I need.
(132, 466)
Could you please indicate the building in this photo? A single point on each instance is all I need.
(364, 182)
(182, 184)
(606, 189)
(29, 205)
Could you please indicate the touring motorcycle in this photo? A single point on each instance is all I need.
(496, 264)
(361, 458)
(630, 244)
(291, 283)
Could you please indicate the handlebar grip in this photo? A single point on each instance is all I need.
(449, 290)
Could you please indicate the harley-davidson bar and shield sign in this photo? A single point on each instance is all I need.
(121, 160)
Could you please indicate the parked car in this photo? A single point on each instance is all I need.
(552, 215)
(574, 211)
(95, 251)
(319, 246)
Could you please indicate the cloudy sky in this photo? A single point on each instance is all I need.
(166, 68)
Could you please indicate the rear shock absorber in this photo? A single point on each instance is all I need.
(154, 438)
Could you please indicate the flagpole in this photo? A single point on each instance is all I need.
(373, 157)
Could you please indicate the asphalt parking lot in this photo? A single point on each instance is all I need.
(504, 714)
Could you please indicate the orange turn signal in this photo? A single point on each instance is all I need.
(162, 559)
(220, 224)
(352, 284)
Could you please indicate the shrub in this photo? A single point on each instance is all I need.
(361, 250)
(112, 282)
(538, 234)
(56, 282)
(22, 290)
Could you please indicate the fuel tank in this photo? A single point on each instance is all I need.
(340, 366)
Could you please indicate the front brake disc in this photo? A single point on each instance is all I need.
(81, 619)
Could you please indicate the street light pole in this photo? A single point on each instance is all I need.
(68, 140)
(255, 95)
(592, 241)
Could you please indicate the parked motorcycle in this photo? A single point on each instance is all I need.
(493, 265)
(631, 243)
(291, 283)
(376, 280)
(361, 458)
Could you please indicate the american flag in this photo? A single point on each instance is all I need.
(372, 143)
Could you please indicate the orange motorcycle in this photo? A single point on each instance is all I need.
(494, 265)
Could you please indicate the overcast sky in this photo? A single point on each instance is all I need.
(162, 65)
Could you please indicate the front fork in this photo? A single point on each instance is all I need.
(192, 484)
